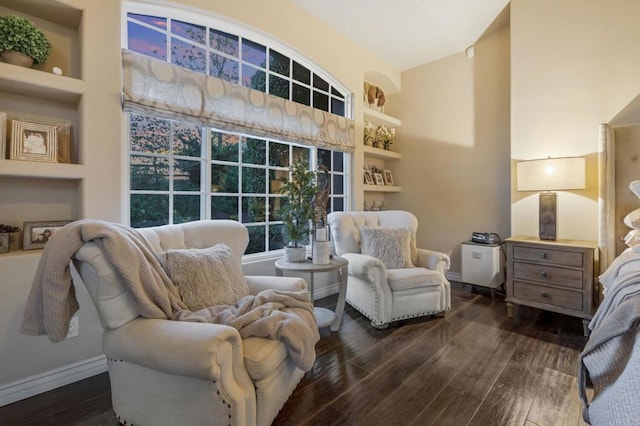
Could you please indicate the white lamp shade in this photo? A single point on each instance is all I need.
(551, 174)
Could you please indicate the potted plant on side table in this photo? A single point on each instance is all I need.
(22, 43)
(296, 211)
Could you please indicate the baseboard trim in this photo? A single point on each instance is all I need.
(34, 385)
(453, 276)
(324, 291)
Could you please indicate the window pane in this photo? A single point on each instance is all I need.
(188, 56)
(186, 208)
(276, 237)
(149, 135)
(278, 86)
(186, 175)
(224, 179)
(279, 63)
(324, 158)
(256, 239)
(253, 180)
(274, 206)
(150, 20)
(338, 184)
(224, 147)
(253, 209)
(335, 92)
(338, 161)
(299, 151)
(224, 68)
(187, 139)
(224, 207)
(149, 210)
(196, 33)
(320, 83)
(275, 180)
(337, 107)
(278, 154)
(320, 101)
(301, 94)
(146, 41)
(224, 42)
(254, 151)
(149, 173)
(254, 78)
(301, 73)
(338, 204)
(254, 53)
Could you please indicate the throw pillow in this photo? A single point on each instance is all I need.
(391, 245)
(206, 277)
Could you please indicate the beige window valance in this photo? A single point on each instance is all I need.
(152, 85)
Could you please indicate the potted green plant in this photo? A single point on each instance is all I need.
(296, 211)
(21, 42)
(5, 230)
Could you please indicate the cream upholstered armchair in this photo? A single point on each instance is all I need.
(410, 282)
(166, 372)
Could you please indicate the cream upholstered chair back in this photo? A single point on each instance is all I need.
(345, 226)
(113, 301)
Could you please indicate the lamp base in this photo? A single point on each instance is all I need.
(547, 216)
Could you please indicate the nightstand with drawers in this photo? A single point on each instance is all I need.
(554, 275)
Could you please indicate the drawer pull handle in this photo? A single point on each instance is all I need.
(545, 295)
(545, 255)
(545, 275)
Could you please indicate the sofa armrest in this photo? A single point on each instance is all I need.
(258, 283)
(200, 350)
(366, 267)
(434, 260)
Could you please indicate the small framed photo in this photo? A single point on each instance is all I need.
(379, 178)
(368, 178)
(34, 141)
(36, 234)
(388, 177)
(3, 135)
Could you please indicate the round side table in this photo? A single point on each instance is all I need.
(324, 317)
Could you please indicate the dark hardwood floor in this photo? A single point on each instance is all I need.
(472, 367)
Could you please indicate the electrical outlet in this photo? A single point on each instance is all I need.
(73, 327)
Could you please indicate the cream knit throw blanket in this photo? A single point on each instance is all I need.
(285, 316)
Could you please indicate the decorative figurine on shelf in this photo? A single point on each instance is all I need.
(374, 95)
(5, 230)
(385, 136)
(369, 133)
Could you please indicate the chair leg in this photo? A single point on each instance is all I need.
(379, 326)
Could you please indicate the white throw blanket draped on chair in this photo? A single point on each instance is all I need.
(285, 316)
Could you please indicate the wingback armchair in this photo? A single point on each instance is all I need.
(385, 295)
(166, 372)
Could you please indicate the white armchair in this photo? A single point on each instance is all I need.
(185, 373)
(386, 295)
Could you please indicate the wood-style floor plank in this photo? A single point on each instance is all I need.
(474, 366)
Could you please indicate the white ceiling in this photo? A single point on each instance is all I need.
(408, 33)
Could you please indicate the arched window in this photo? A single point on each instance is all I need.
(183, 171)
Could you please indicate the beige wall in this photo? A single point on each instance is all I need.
(574, 66)
(455, 145)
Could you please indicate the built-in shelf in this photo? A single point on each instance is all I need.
(62, 12)
(35, 169)
(381, 154)
(40, 84)
(382, 188)
(381, 118)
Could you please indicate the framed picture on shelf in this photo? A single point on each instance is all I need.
(36, 234)
(379, 178)
(32, 141)
(3, 135)
(368, 178)
(388, 177)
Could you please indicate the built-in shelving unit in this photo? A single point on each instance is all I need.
(380, 118)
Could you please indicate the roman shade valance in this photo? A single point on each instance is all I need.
(152, 85)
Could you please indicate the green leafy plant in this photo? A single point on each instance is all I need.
(8, 229)
(19, 34)
(297, 209)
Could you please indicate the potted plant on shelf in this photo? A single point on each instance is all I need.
(21, 42)
(5, 230)
(296, 211)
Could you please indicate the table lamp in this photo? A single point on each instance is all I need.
(550, 174)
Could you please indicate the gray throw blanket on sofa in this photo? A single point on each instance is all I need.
(285, 316)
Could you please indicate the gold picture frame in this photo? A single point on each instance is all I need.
(36, 234)
(31, 141)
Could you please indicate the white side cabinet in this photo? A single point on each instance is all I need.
(483, 264)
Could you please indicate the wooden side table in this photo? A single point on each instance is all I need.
(555, 275)
(324, 317)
